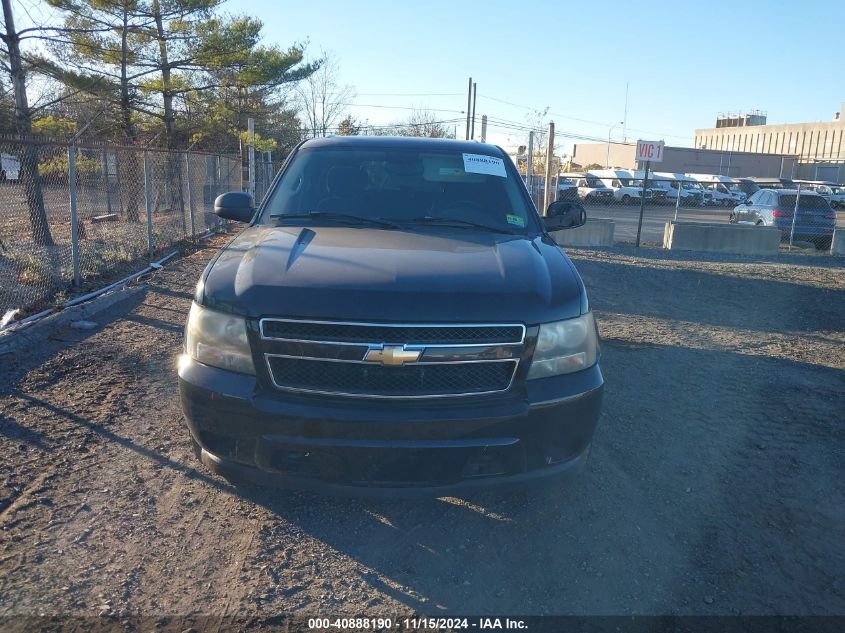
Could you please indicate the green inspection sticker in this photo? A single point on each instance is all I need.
(515, 220)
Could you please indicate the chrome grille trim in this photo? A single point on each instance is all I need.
(464, 356)
(265, 337)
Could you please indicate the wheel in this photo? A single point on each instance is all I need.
(759, 223)
(626, 199)
(732, 218)
(823, 243)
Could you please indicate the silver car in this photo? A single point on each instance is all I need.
(807, 217)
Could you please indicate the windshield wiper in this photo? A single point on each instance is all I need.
(457, 223)
(336, 217)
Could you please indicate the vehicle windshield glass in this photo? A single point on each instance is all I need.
(595, 183)
(402, 185)
(807, 202)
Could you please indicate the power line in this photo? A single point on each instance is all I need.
(588, 121)
(387, 107)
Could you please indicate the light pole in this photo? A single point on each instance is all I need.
(609, 132)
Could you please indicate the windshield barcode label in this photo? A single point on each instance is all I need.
(481, 164)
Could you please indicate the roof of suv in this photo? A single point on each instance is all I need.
(792, 192)
(404, 142)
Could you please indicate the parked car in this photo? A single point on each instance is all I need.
(395, 315)
(590, 188)
(830, 191)
(835, 194)
(626, 188)
(724, 190)
(813, 220)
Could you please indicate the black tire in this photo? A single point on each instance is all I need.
(759, 223)
(732, 218)
(823, 243)
(626, 199)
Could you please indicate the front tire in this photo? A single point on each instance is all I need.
(732, 218)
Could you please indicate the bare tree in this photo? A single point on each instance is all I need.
(29, 176)
(322, 98)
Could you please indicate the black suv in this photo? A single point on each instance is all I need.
(396, 315)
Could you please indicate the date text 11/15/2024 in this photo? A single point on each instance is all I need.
(416, 624)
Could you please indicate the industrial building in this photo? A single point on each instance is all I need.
(687, 160)
(819, 146)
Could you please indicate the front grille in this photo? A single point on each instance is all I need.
(368, 379)
(393, 334)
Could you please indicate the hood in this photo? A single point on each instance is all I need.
(339, 273)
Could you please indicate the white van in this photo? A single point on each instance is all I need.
(677, 185)
(830, 191)
(725, 191)
(626, 187)
(590, 188)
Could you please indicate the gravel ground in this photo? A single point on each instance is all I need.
(714, 487)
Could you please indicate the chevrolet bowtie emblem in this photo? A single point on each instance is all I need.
(395, 355)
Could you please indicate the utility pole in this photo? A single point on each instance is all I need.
(474, 95)
(469, 106)
(549, 154)
(483, 128)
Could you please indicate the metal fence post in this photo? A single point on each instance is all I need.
(148, 195)
(677, 200)
(189, 191)
(251, 154)
(74, 218)
(794, 215)
(642, 203)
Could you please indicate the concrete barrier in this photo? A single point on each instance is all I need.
(593, 233)
(722, 238)
(837, 246)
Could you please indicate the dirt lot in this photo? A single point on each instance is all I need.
(715, 484)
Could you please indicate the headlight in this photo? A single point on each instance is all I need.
(564, 347)
(218, 339)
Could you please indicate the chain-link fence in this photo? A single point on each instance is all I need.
(265, 171)
(74, 216)
(805, 213)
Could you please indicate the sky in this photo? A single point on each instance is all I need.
(684, 62)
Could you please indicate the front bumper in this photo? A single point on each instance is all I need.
(540, 431)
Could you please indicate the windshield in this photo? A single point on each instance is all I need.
(401, 186)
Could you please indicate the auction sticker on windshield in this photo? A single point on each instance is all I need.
(481, 164)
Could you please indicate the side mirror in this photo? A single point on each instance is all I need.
(564, 214)
(234, 205)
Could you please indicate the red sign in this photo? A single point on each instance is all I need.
(650, 151)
